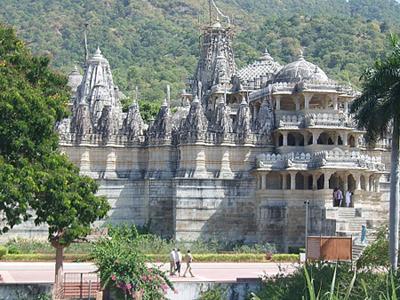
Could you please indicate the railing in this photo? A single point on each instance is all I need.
(80, 286)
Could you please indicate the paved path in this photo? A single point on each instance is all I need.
(221, 272)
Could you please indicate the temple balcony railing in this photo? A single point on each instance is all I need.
(335, 158)
(313, 119)
(99, 139)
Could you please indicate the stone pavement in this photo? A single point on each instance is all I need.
(30, 272)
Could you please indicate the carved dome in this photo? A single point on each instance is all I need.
(300, 70)
(264, 67)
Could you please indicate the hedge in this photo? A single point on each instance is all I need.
(212, 257)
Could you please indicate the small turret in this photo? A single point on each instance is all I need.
(243, 119)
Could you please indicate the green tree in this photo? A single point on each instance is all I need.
(36, 180)
(377, 110)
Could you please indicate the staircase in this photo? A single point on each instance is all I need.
(357, 251)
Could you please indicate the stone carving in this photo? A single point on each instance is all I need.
(81, 123)
(133, 125)
(161, 128)
(264, 122)
(195, 123)
(243, 120)
(106, 125)
(222, 122)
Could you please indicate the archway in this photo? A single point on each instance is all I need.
(299, 181)
(351, 141)
(274, 181)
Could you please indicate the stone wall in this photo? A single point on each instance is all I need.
(25, 291)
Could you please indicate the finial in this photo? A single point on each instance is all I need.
(168, 93)
(85, 42)
(316, 69)
(196, 100)
(244, 102)
(98, 51)
(301, 55)
(165, 103)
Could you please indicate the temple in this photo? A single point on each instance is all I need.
(238, 159)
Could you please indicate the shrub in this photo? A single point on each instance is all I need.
(376, 254)
(3, 251)
(214, 293)
(123, 267)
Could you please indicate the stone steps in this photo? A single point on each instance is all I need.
(357, 251)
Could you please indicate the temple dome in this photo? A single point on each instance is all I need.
(300, 70)
(264, 67)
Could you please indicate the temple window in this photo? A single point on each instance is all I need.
(299, 181)
(362, 182)
(351, 141)
(274, 181)
(287, 103)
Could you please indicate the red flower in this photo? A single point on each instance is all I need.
(113, 277)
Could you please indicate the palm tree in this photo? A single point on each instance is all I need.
(377, 110)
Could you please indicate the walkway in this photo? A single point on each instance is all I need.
(20, 272)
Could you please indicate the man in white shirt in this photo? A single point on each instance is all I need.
(178, 261)
(172, 262)
(348, 198)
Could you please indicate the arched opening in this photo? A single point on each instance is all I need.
(336, 182)
(299, 181)
(291, 139)
(309, 182)
(325, 139)
(280, 139)
(315, 103)
(372, 183)
(321, 182)
(340, 141)
(310, 139)
(351, 183)
(351, 141)
(274, 181)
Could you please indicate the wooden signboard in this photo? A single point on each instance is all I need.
(329, 248)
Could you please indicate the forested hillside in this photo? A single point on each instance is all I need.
(155, 42)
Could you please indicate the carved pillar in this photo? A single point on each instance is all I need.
(285, 138)
(225, 171)
(367, 183)
(292, 180)
(307, 99)
(84, 164)
(277, 102)
(315, 182)
(263, 181)
(344, 138)
(345, 183)
(357, 177)
(377, 184)
(111, 165)
(200, 164)
(316, 134)
(346, 107)
(284, 181)
(327, 176)
(335, 101)
(297, 102)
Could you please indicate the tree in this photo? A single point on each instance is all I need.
(377, 110)
(34, 175)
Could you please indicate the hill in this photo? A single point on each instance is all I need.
(155, 42)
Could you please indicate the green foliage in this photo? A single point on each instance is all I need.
(123, 267)
(33, 174)
(3, 251)
(323, 281)
(376, 254)
(214, 293)
(30, 246)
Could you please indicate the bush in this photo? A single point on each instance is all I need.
(329, 281)
(3, 251)
(376, 254)
(123, 268)
(214, 293)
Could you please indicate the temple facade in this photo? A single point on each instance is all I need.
(238, 159)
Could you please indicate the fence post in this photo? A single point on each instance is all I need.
(81, 287)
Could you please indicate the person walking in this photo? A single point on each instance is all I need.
(172, 262)
(348, 198)
(335, 200)
(339, 197)
(188, 260)
(178, 261)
